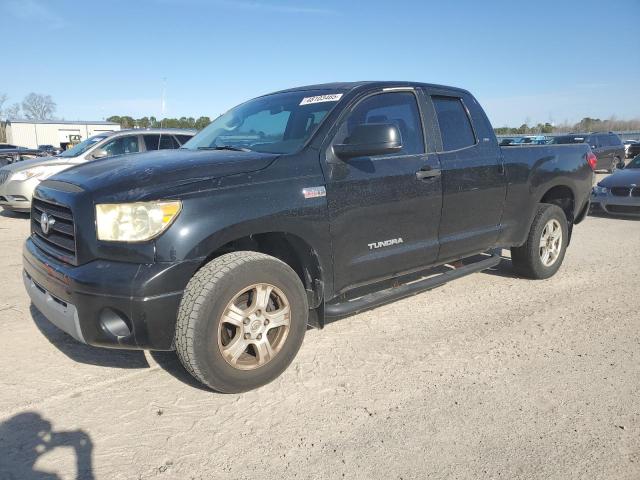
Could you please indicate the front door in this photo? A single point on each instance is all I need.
(383, 218)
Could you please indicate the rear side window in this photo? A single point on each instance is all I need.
(455, 125)
(615, 140)
(167, 142)
(151, 142)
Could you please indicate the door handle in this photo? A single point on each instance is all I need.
(427, 172)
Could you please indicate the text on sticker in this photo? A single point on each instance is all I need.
(334, 97)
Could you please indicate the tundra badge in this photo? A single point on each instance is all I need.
(385, 243)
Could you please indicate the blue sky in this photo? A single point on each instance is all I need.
(537, 61)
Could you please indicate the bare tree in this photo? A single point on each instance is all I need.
(38, 107)
(12, 112)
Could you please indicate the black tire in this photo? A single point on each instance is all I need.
(205, 299)
(619, 163)
(526, 259)
(614, 165)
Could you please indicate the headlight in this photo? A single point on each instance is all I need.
(135, 222)
(38, 172)
(600, 190)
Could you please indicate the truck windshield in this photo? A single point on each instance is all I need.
(278, 123)
(82, 147)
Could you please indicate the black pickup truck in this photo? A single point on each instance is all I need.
(291, 210)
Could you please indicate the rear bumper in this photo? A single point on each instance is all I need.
(106, 303)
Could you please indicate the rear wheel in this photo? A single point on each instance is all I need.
(241, 321)
(542, 254)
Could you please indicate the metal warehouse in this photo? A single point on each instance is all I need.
(30, 133)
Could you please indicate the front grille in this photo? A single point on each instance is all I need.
(624, 209)
(4, 175)
(621, 191)
(60, 241)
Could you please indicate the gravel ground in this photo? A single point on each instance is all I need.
(490, 376)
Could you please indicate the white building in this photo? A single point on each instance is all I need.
(31, 133)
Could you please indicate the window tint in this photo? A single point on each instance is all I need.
(122, 146)
(399, 109)
(614, 140)
(167, 142)
(183, 138)
(151, 141)
(455, 126)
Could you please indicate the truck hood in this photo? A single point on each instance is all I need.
(622, 178)
(138, 175)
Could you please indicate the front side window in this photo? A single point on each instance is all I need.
(122, 146)
(277, 123)
(184, 138)
(455, 125)
(151, 142)
(397, 108)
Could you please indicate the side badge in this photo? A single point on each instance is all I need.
(314, 192)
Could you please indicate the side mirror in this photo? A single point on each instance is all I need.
(99, 153)
(368, 139)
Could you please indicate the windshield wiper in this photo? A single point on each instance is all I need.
(225, 147)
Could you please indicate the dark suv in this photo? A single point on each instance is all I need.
(607, 147)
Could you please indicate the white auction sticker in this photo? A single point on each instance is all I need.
(333, 97)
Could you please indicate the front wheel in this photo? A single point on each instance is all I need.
(542, 254)
(241, 321)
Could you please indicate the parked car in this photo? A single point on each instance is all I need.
(631, 148)
(50, 149)
(9, 156)
(8, 146)
(294, 209)
(18, 180)
(607, 147)
(619, 193)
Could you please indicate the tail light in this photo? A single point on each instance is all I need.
(592, 160)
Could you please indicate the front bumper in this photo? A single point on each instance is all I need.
(16, 196)
(107, 303)
(614, 205)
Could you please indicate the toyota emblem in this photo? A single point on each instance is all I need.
(46, 222)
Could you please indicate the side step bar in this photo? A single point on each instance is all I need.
(376, 299)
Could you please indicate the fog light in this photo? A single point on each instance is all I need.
(115, 323)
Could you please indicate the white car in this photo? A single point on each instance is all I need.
(19, 180)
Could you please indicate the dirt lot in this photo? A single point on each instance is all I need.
(491, 376)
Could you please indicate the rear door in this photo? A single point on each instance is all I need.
(384, 215)
(473, 181)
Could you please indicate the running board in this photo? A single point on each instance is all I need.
(376, 299)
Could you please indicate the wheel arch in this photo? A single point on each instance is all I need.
(293, 250)
(563, 196)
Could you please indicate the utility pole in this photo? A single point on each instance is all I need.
(163, 101)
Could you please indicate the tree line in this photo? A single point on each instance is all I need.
(126, 121)
(587, 124)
